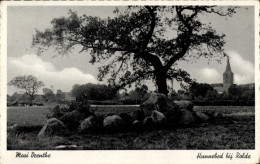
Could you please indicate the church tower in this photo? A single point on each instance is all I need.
(228, 77)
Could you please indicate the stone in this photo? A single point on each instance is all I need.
(209, 113)
(68, 147)
(109, 114)
(204, 124)
(158, 117)
(213, 114)
(12, 128)
(148, 122)
(161, 103)
(56, 112)
(185, 117)
(217, 114)
(200, 117)
(138, 115)
(184, 104)
(73, 119)
(127, 118)
(88, 124)
(137, 125)
(113, 123)
(52, 127)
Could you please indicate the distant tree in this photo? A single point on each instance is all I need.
(75, 90)
(94, 91)
(149, 40)
(48, 93)
(60, 96)
(23, 98)
(183, 94)
(212, 95)
(8, 97)
(241, 92)
(200, 90)
(223, 96)
(234, 91)
(138, 93)
(14, 96)
(248, 93)
(28, 83)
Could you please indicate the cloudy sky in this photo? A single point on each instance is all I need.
(63, 72)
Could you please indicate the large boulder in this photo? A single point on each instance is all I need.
(80, 106)
(148, 122)
(200, 117)
(217, 114)
(89, 123)
(185, 117)
(184, 104)
(158, 117)
(113, 123)
(52, 127)
(161, 103)
(213, 114)
(126, 118)
(55, 112)
(137, 125)
(137, 115)
(73, 119)
(12, 128)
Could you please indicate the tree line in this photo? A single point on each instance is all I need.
(201, 92)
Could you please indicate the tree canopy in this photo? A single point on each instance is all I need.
(93, 92)
(140, 42)
(28, 83)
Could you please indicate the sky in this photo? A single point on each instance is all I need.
(62, 72)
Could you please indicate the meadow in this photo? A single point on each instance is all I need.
(235, 130)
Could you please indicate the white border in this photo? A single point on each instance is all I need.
(147, 156)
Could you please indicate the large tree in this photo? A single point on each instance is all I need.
(140, 42)
(29, 84)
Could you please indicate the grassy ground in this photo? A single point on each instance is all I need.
(27, 116)
(233, 131)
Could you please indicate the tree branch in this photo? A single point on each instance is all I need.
(151, 30)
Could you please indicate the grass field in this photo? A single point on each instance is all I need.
(236, 130)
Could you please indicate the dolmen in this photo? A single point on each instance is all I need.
(156, 110)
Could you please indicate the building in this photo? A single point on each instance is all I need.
(228, 80)
(69, 97)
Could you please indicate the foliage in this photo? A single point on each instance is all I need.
(241, 92)
(140, 42)
(8, 97)
(60, 96)
(48, 93)
(138, 93)
(28, 83)
(94, 92)
(201, 90)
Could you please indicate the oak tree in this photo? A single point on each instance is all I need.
(29, 84)
(139, 42)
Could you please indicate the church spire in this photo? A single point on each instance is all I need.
(228, 68)
(228, 77)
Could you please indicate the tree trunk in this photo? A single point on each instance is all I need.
(161, 82)
(31, 98)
